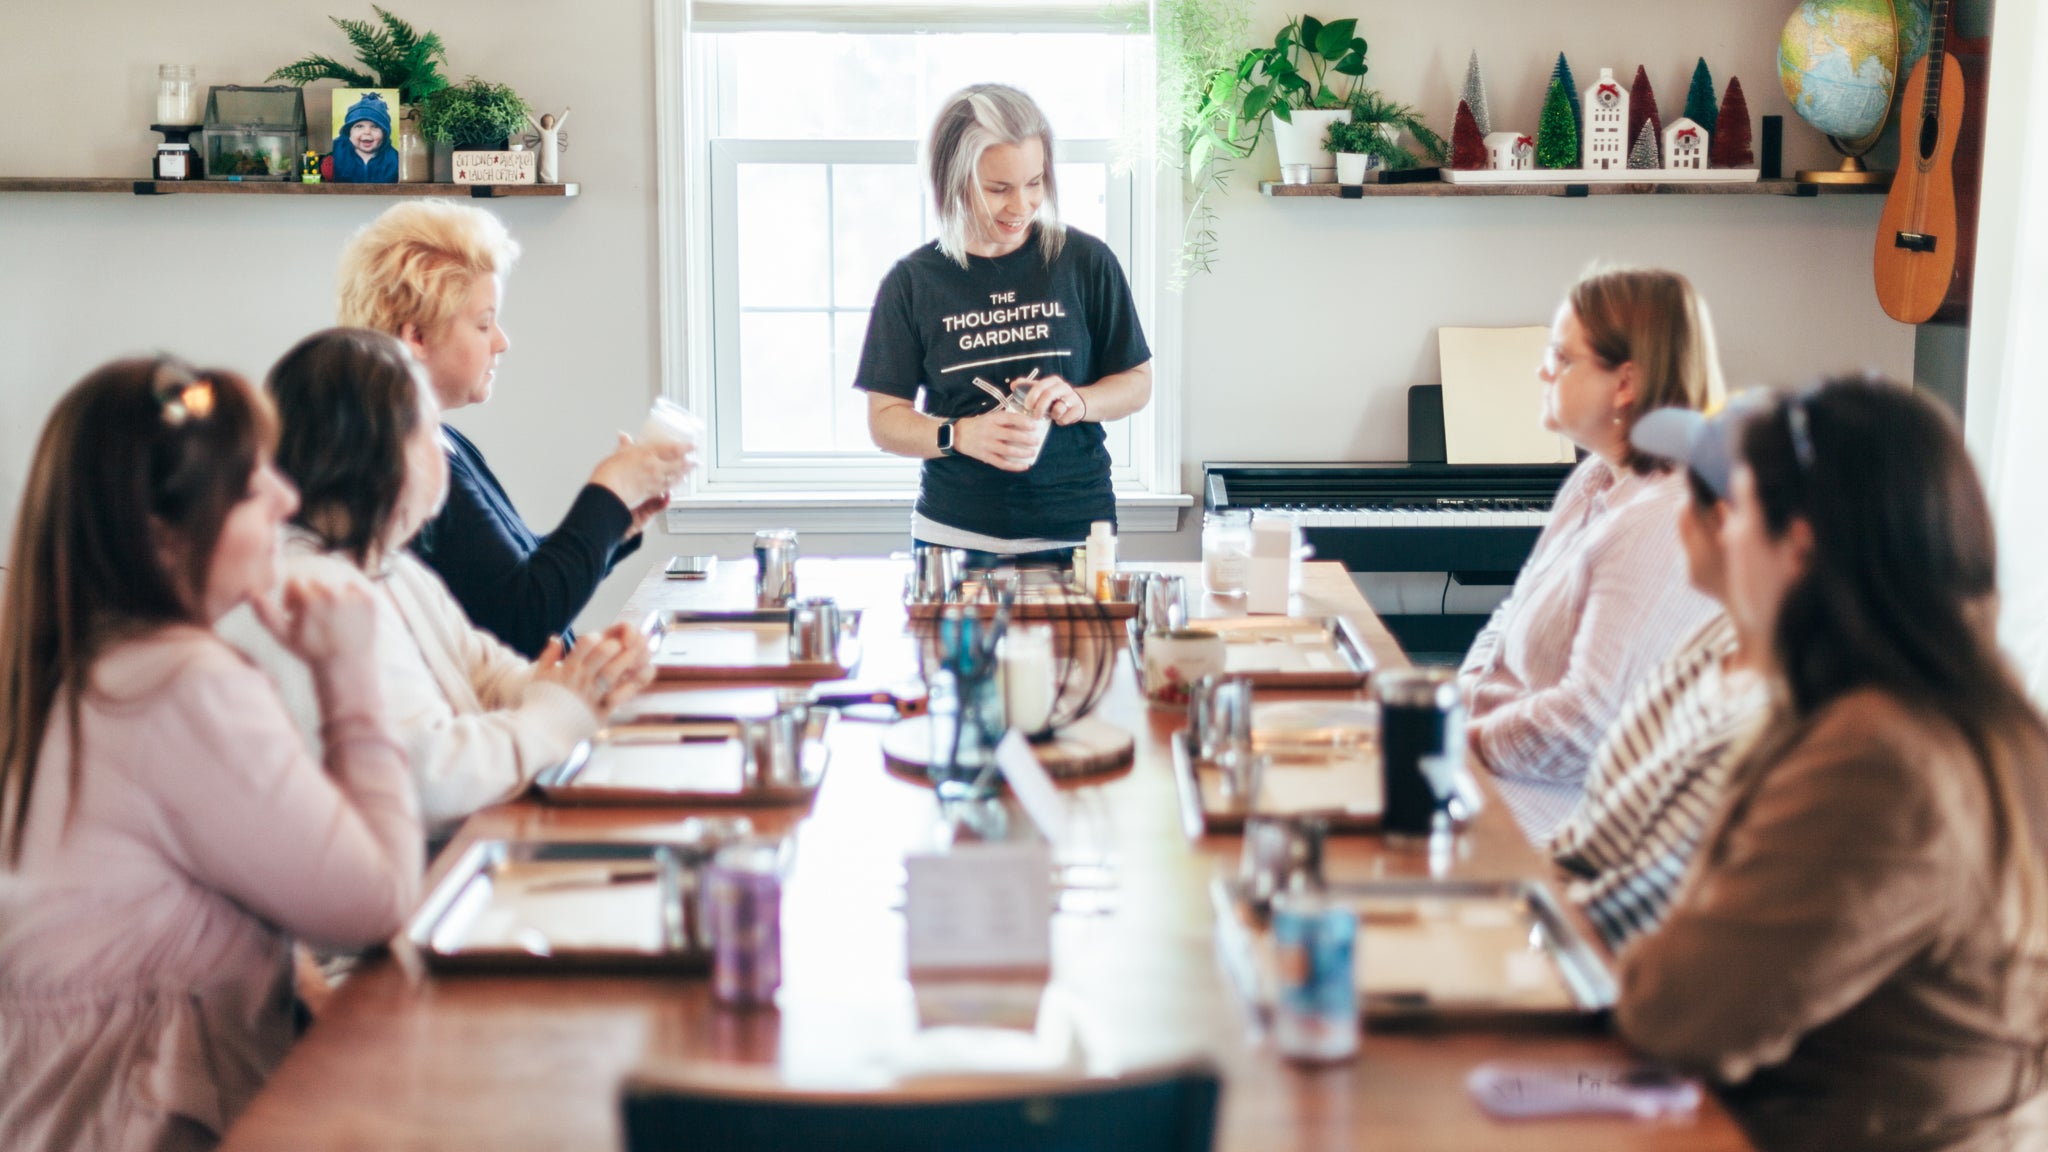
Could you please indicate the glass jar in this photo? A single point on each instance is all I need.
(177, 97)
(1226, 551)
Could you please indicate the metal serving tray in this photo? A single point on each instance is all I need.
(529, 905)
(745, 644)
(694, 762)
(1440, 951)
(1331, 772)
(1284, 651)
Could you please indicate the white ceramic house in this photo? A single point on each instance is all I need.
(1606, 120)
(1685, 145)
(1510, 151)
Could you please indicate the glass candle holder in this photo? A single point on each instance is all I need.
(177, 97)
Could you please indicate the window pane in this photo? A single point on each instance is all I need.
(850, 407)
(785, 368)
(1077, 80)
(823, 86)
(875, 222)
(1084, 197)
(784, 236)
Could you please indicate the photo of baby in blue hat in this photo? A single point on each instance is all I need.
(364, 152)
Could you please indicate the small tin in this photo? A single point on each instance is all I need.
(744, 884)
(1420, 716)
(1315, 1010)
(774, 568)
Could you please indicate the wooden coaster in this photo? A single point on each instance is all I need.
(1087, 747)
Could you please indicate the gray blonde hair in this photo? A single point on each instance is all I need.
(973, 120)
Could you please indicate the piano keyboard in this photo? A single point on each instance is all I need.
(1512, 514)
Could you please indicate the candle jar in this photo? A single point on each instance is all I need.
(1029, 686)
(1226, 551)
(177, 98)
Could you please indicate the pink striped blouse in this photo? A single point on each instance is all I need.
(1603, 600)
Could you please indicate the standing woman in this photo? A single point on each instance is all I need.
(1603, 598)
(1009, 295)
(164, 832)
(1860, 954)
(433, 275)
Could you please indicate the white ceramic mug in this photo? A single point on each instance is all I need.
(1175, 660)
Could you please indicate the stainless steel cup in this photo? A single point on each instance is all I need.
(1129, 587)
(1280, 854)
(935, 574)
(814, 630)
(774, 568)
(1220, 717)
(774, 747)
(1166, 603)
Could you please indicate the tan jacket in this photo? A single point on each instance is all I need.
(1834, 960)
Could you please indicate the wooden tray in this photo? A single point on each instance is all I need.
(1440, 951)
(693, 763)
(1326, 763)
(744, 645)
(524, 906)
(1292, 651)
(1087, 747)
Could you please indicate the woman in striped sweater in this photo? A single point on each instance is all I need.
(1656, 778)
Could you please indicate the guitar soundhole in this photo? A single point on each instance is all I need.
(1930, 134)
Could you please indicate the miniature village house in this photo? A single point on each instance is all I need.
(1606, 121)
(1510, 151)
(1685, 145)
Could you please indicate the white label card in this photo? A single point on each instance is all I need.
(979, 908)
(1032, 785)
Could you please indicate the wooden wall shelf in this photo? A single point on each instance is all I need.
(1753, 188)
(273, 188)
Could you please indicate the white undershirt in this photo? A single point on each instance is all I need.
(932, 532)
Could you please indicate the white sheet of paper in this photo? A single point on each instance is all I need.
(979, 907)
(1032, 785)
(1492, 398)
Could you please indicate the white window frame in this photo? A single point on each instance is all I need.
(732, 494)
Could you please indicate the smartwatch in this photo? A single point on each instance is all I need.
(946, 439)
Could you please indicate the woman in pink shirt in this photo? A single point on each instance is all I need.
(164, 834)
(1604, 597)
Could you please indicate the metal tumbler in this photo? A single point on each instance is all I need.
(935, 574)
(814, 627)
(774, 568)
(1420, 716)
(1166, 603)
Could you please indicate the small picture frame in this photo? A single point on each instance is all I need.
(365, 136)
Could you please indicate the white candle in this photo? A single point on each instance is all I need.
(1028, 688)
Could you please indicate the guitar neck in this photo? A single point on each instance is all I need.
(1937, 47)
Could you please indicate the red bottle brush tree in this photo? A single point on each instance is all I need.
(1730, 145)
(1642, 107)
(1468, 147)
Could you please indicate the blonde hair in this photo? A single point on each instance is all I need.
(1653, 318)
(973, 120)
(415, 264)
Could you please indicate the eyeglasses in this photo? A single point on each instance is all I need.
(179, 398)
(1556, 363)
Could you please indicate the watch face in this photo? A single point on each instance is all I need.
(946, 437)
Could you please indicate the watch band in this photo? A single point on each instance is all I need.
(946, 433)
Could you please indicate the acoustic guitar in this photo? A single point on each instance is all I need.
(1927, 236)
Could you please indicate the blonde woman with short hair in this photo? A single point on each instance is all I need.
(433, 274)
(1011, 296)
(1603, 598)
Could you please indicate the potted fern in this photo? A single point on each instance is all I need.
(396, 56)
(1371, 139)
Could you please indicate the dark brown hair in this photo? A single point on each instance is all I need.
(1654, 318)
(1900, 590)
(138, 451)
(347, 399)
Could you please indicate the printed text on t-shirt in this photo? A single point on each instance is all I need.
(1005, 322)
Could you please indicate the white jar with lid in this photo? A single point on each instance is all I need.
(1226, 551)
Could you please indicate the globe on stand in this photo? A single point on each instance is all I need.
(1840, 62)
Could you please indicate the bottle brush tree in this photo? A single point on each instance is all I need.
(1557, 134)
(1468, 144)
(1729, 147)
(1562, 74)
(1699, 99)
(1642, 108)
(1474, 95)
(1646, 153)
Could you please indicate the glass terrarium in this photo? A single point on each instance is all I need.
(254, 133)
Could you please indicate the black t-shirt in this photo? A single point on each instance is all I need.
(937, 326)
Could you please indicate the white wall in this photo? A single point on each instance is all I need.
(1300, 346)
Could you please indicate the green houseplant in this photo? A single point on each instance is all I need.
(1304, 81)
(1373, 134)
(473, 114)
(396, 56)
(1199, 46)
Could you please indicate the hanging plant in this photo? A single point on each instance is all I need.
(396, 56)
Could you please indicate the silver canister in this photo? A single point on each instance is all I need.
(1166, 603)
(935, 573)
(773, 747)
(1281, 854)
(774, 567)
(814, 627)
(1220, 733)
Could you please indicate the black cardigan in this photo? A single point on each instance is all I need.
(519, 587)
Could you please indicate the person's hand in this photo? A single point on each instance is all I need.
(322, 622)
(638, 471)
(1001, 439)
(604, 670)
(1052, 398)
(644, 514)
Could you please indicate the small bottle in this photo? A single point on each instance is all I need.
(1081, 569)
(309, 167)
(173, 161)
(1101, 557)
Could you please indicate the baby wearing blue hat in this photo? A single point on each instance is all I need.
(363, 153)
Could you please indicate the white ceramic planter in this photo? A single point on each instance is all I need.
(1301, 140)
(1352, 167)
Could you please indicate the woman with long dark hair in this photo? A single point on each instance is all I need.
(164, 833)
(1861, 951)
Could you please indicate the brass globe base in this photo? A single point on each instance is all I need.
(1851, 171)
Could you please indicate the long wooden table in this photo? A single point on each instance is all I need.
(401, 1059)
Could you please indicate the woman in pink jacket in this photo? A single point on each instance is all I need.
(164, 834)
